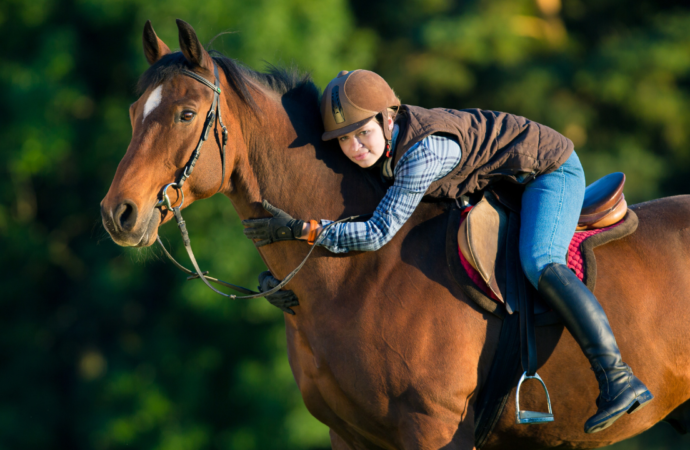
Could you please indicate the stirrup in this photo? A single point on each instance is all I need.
(529, 417)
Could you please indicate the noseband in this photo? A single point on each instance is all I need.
(214, 113)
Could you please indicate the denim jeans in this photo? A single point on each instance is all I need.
(551, 207)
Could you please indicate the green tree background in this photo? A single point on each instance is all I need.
(108, 348)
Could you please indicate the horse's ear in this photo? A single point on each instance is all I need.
(191, 47)
(154, 48)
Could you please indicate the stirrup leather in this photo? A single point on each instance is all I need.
(529, 417)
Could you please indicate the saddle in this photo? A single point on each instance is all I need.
(482, 235)
(483, 255)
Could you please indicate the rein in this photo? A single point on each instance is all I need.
(177, 213)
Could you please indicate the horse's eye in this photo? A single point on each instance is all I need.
(186, 116)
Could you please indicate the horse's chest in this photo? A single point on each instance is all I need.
(340, 374)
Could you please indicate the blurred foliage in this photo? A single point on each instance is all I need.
(109, 348)
(611, 75)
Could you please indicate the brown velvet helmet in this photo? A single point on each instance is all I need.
(351, 99)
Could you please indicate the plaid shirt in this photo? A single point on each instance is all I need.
(427, 161)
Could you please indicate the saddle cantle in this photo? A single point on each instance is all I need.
(604, 203)
(482, 235)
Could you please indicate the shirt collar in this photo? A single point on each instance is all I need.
(394, 135)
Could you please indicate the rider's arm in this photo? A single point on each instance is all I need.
(430, 160)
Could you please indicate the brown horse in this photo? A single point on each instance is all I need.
(385, 347)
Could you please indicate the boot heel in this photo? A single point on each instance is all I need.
(640, 402)
(633, 407)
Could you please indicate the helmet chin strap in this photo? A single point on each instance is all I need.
(388, 148)
(387, 133)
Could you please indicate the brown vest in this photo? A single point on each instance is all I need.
(495, 146)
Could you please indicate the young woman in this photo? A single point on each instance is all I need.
(446, 153)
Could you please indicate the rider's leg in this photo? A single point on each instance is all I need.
(550, 210)
(551, 206)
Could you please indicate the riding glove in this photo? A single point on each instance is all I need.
(282, 299)
(281, 227)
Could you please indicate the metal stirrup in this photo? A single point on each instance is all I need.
(527, 417)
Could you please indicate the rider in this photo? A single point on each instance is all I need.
(446, 153)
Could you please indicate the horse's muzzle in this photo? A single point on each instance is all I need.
(126, 225)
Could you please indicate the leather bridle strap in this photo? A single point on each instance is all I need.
(193, 275)
(210, 122)
(252, 294)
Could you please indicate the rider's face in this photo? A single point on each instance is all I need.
(365, 145)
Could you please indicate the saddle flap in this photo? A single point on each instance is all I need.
(487, 229)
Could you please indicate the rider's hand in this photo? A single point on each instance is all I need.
(281, 227)
(282, 299)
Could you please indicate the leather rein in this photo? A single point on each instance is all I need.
(211, 118)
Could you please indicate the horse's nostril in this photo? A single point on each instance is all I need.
(126, 215)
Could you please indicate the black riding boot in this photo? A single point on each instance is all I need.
(620, 390)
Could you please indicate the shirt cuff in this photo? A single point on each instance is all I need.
(328, 239)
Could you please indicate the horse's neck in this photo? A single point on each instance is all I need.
(295, 171)
(282, 159)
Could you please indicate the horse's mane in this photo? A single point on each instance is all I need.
(285, 81)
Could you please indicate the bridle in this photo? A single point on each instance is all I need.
(211, 117)
(210, 122)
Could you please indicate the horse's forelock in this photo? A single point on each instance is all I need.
(167, 67)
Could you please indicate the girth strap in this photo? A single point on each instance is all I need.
(519, 288)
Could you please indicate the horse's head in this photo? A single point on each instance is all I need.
(167, 125)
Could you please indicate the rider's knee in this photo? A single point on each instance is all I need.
(532, 269)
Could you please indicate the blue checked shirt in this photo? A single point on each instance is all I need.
(427, 161)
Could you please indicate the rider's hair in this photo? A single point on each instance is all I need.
(392, 112)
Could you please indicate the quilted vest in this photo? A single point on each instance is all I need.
(495, 146)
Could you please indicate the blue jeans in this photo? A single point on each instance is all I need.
(551, 207)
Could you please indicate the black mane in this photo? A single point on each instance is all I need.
(285, 81)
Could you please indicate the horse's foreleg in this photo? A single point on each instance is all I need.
(422, 432)
(338, 443)
(353, 442)
(679, 418)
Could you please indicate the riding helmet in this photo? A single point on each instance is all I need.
(351, 99)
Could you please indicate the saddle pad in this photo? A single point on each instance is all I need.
(576, 259)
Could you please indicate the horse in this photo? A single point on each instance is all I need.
(385, 347)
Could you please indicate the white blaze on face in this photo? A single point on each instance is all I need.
(152, 102)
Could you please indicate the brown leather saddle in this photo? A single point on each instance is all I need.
(488, 241)
(482, 234)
